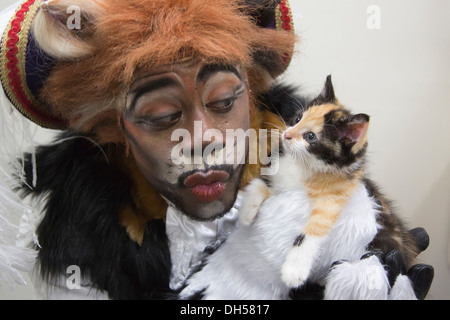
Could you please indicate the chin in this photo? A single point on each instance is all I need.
(208, 211)
(197, 210)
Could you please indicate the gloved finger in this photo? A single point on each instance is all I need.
(422, 238)
(421, 276)
(367, 255)
(309, 291)
(336, 263)
(394, 265)
(376, 253)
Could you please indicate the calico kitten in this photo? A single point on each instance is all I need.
(330, 143)
(277, 209)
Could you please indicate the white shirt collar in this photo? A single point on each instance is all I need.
(189, 238)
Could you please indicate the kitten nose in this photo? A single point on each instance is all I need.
(287, 135)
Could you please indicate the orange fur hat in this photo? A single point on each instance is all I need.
(77, 78)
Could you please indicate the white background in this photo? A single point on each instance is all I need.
(399, 75)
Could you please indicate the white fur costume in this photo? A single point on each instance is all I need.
(248, 265)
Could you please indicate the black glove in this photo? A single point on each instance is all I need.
(421, 275)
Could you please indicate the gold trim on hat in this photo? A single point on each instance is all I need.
(21, 45)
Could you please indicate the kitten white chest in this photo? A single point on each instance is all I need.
(290, 176)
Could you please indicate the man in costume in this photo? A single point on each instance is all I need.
(119, 84)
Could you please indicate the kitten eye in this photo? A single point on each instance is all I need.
(310, 137)
(297, 117)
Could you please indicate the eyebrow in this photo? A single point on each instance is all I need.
(210, 69)
(147, 87)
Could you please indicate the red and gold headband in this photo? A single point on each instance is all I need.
(23, 69)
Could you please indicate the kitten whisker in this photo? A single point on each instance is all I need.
(280, 128)
(296, 98)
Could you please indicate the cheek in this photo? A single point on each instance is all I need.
(297, 145)
(302, 144)
(239, 123)
(151, 152)
(239, 118)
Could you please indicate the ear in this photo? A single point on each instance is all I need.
(59, 27)
(327, 95)
(354, 129)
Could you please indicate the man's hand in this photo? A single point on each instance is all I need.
(420, 275)
(379, 276)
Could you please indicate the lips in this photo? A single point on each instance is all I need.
(207, 186)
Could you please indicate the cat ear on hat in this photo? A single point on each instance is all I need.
(61, 27)
(37, 35)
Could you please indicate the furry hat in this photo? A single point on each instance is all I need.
(61, 74)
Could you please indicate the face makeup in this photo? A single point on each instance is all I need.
(180, 97)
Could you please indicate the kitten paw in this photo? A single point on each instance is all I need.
(256, 193)
(248, 212)
(297, 267)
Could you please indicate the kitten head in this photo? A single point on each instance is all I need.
(327, 136)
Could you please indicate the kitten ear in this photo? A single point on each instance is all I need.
(354, 129)
(327, 95)
(328, 91)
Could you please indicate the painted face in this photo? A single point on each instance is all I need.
(174, 114)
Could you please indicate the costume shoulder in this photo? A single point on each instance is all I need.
(80, 225)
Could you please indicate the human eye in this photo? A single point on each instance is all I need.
(222, 105)
(157, 111)
(159, 122)
(224, 101)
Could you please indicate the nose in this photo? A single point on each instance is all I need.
(204, 134)
(205, 131)
(205, 137)
(287, 135)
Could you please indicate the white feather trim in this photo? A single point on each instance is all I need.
(16, 228)
(13, 258)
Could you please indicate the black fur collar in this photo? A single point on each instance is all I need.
(81, 226)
